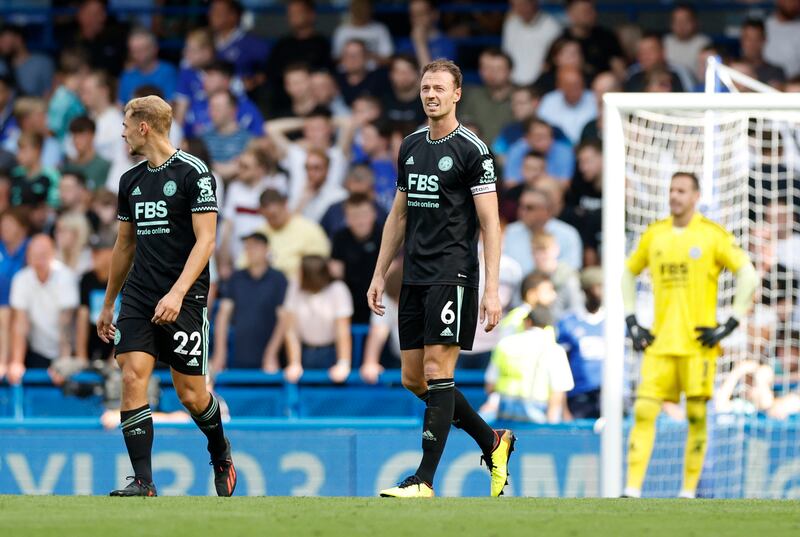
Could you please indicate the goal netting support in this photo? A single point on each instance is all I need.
(745, 148)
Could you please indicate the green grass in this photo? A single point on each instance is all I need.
(22, 516)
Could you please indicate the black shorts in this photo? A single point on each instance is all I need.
(437, 315)
(183, 345)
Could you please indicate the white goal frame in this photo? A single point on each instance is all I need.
(614, 171)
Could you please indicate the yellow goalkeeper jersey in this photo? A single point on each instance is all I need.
(684, 266)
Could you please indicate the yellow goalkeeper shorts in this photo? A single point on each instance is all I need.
(665, 377)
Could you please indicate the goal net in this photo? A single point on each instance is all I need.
(745, 148)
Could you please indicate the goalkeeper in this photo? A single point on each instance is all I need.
(685, 254)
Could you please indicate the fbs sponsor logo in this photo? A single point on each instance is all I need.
(447, 332)
(136, 192)
(410, 160)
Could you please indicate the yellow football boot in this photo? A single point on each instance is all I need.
(498, 465)
(410, 487)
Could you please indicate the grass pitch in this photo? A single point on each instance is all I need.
(23, 516)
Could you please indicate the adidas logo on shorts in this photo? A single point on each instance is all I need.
(447, 332)
(193, 361)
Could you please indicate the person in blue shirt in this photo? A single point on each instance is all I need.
(13, 247)
(146, 68)
(217, 77)
(226, 140)
(247, 52)
(198, 53)
(541, 136)
(582, 336)
(426, 42)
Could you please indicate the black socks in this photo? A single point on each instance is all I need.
(436, 426)
(210, 422)
(137, 429)
(465, 417)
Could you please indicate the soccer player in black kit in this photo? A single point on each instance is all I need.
(168, 218)
(446, 196)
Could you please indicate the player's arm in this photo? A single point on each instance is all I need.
(121, 262)
(488, 215)
(204, 225)
(393, 234)
(640, 336)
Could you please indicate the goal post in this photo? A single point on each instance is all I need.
(723, 138)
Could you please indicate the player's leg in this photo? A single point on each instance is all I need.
(184, 345)
(136, 352)
(697, 378)
(659, 383)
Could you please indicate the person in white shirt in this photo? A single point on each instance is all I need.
(529, 374)
(97, 95)
(44, 296)
(684, 43)
(783, 37)
(241, 214)
(362, 27)
(317, 195)
(527, 35)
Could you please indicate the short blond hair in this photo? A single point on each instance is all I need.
(153, 110)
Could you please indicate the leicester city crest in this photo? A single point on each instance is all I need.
(445, 163)
(695, 252)
(117, 336)
(170, 188)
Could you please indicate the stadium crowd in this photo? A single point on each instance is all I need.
(302, 133)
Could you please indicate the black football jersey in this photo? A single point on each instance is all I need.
(440, 178)
(159, 202)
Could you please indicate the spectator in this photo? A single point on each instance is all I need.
(489, 103)
(30, 115)
(360, 26)
(360, 181)
(317, 133)
(101, 39)
(291, 236)
(426, 43)
(302, 44)
(249, 303)
(366, 109)
(88, 345)
(533, 172)
(650, 57)
(72, 242)
(98, 94)
(539, 136)
(751, 43)
(546, 250)
(72, 194)
(44, 296)
(297, 85)
(524, 103)
(244, 50)
(318, 310)
(13, 248)
(582, 336)
(8, 123)
(217, 77)
(32, 182)
(571, 106)
(584, 200)
(198, 53)
(354, 76)
(258, 171)
(603, 83)
(527, 34)
(783, 37)
(227, 139)
(317, 195)
(756, 393)
(104, 208)
(535, 216)
(600, 47)
(382, 346)
(536, 290)
(528, 375)
(65, 105)
(355, 251)
(146, 68)
(91, 165)
(683, 44)
(325, 92)
(375, 139)
(32, 72)
(401, 104)
(564, 52)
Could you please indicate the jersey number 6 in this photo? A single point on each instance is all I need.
(448, 315)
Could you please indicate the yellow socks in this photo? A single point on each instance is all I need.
(696, 443)
(640, 443)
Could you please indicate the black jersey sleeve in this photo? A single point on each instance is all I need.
(201, 187)
(123, 208)
(401, 173)
(480, 177)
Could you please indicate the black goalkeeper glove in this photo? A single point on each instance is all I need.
(640, 335)
(709, 337)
